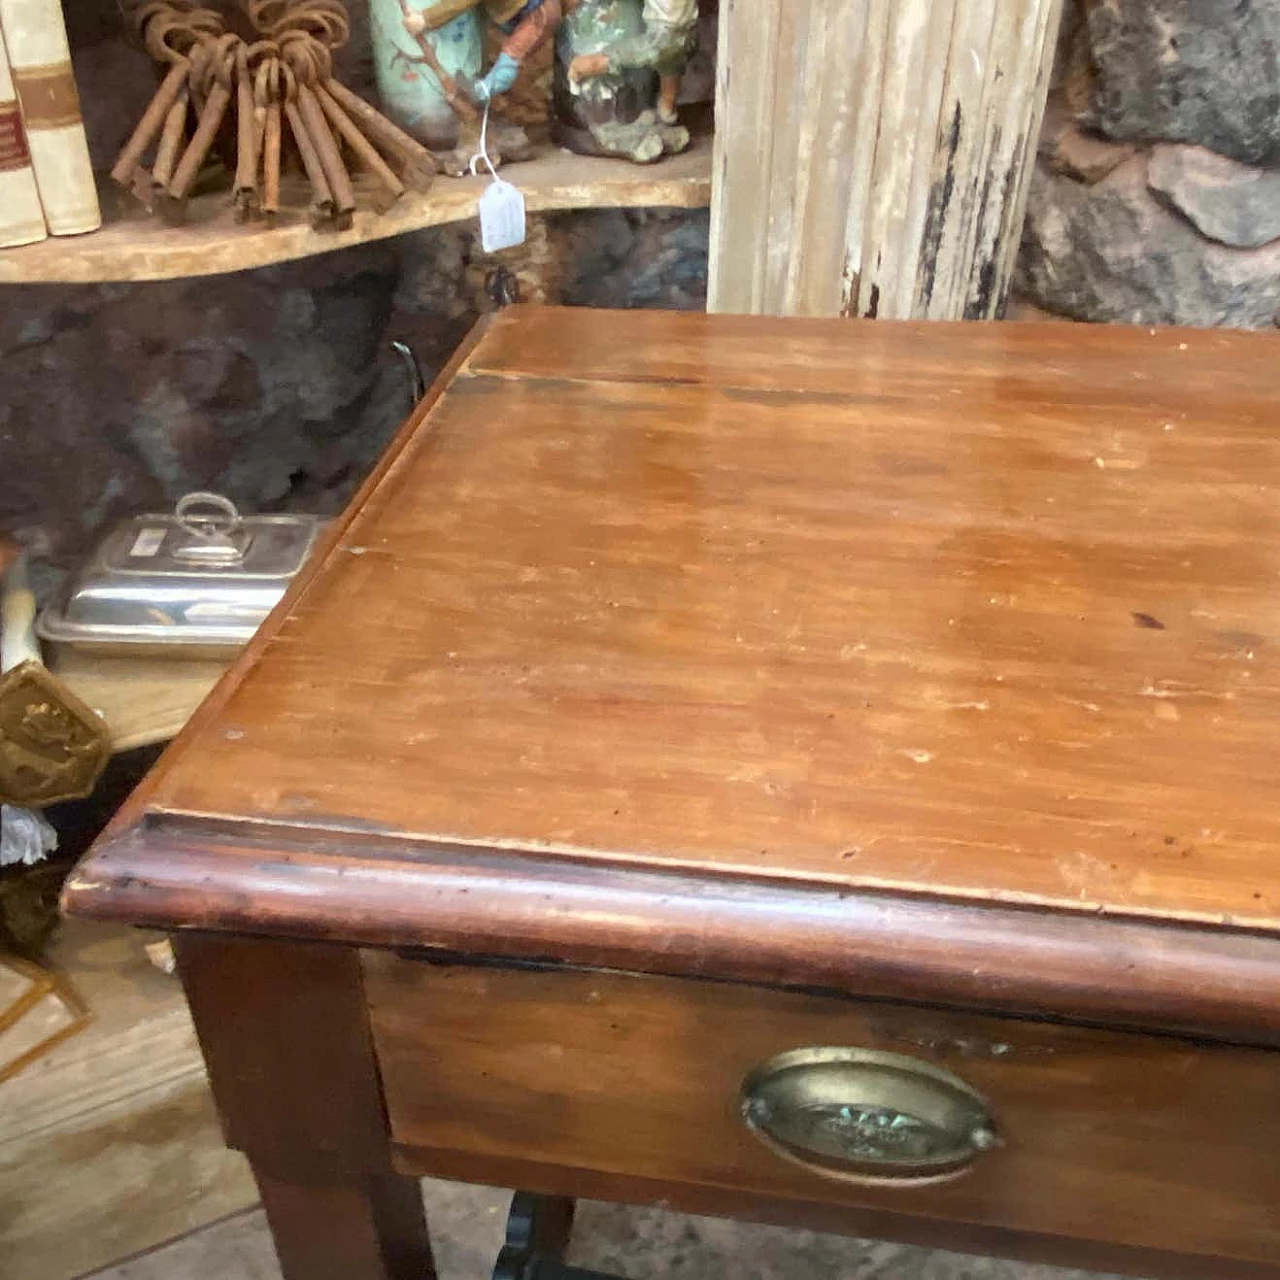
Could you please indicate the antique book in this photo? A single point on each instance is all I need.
(21, 217)
(40, 60)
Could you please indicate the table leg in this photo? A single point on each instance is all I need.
(285, 1034)
(368, 1230)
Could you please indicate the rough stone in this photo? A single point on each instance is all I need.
(1114, 252)
(1206, 72)
(1067, 147)
(120, 399)
(638, 258)
(1233, 203)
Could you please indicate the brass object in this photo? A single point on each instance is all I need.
(52, 746)
(865, 1114)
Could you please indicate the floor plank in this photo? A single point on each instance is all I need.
(110, 1145)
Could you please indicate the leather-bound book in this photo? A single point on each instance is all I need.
(21, 217)
(40, 61)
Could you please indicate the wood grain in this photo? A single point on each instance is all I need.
(1143, 1141)
(116, 1118)
(285, 1035)
(886, 635)
(325, 546)
(134, 246)
(927, 664)
(367, 1229)
(872, 1224)
(309, 883)
(889, 181)
(978, 613)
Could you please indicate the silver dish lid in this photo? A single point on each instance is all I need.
(204, 576)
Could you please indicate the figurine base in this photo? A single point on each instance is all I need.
(642, 141)
(506, 143)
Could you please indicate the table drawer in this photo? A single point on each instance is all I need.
(1133, 1140)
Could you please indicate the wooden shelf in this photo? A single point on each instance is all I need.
(143, 700)
(133, 246)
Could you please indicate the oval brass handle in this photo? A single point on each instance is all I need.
(860, 1113)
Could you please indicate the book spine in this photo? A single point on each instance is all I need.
(21, 217)
(40, 61)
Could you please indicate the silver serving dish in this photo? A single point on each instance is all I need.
(196, 582)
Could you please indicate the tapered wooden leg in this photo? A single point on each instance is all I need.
(370, 1229)
(286, 1038)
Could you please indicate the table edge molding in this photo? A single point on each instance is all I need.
(441, 899)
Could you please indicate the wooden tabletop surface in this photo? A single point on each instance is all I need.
(987, 611)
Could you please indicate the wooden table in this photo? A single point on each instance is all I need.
(684, 692)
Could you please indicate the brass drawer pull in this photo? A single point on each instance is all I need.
(863, 1114)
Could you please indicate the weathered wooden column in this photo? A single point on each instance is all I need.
(872, 156)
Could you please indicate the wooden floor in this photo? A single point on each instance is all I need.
(110, 1144)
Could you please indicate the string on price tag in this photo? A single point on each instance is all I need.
(501, 204)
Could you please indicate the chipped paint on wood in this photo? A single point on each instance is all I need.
(872, 157)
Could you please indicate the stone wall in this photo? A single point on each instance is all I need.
(1157, 194)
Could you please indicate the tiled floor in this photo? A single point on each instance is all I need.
(644, 1244)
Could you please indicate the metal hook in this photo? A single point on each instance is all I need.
(417, 382)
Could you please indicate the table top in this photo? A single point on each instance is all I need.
(893, 613)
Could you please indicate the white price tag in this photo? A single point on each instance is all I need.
(501, 216)
(148, 542)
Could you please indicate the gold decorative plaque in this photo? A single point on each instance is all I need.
(52, 746)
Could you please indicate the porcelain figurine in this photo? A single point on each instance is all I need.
(618, 65)
(428, 60)
(419, 51)
(667, 42)
(526, 25)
